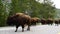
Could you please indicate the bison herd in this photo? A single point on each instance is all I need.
(50, 21)
(21, 19)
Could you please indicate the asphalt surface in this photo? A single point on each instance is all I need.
(39, 29)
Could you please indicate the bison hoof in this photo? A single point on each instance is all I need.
(28, 29)
(15, 31)
(22, 30)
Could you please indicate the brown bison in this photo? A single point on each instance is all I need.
(43, 21)
(56, 21)
(35, 20)
(46, 21)
(49, 21)
(59, 21)
(19, 19)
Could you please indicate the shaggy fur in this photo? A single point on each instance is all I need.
(46, 21)
(50, 21)
(20, 19)
(43, 21)
(56, 22)
(35, 20)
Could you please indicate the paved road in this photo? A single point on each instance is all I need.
(39, 29)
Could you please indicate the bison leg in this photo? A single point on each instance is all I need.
(28, 28)
(16, 28)
(51, 23)
(56, 24)
(22, 28)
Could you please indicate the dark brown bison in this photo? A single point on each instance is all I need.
(59, 21)
(49, 21)
(46, 21)
(43, 21)
(35, 20)
(56, 21)
(19, 19)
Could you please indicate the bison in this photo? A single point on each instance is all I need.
(35, 20)
(43, 21)
(56, 21)
(46, 21)
(49, 21)
(19, 19)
